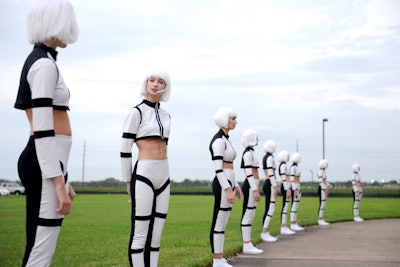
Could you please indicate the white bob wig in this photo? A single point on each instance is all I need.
(356, 167)
(249, 138)
(52, 19)
(221, 118)
(323, 164)
(283, 156)
(296, 157)
(161, 74)
(269, 146)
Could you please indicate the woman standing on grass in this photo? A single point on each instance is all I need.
(323, 191)
(148, 183)
(224, 185)
(44, 96)
(270, 189)
(357, 192)
(250, 189)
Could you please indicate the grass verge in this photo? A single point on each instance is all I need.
(97, 231)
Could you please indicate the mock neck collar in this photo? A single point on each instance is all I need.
(151, 104)
(52, 51)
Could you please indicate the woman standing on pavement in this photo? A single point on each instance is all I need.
(251, 195)
(148, 183)
(323, 191)
(270, 189)
(283, 158)
(357, 192)
(224, 185)
(296, 191)
(44, 97)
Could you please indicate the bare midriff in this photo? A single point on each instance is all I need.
(62, 125)
(154, 148)
(297, 179)
(227, 165)
(255, 173)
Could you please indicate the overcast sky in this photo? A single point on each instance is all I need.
(282, 65)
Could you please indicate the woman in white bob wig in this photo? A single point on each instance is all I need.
(283, 158)
(147, 181)
(44, 97)
(224, 184)
(270, 189)
(323, 191)
(296, 191)
(251, 195)
(357, 192)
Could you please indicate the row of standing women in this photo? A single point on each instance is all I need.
(225, 187)
(43, 164)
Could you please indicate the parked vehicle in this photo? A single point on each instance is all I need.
(13, 188)
(4, 192)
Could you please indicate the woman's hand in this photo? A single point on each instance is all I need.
(229, 195)
(64, 201)
(275, 191)
(239, 193)
(256, 195)
(71, 193)
(288, 194)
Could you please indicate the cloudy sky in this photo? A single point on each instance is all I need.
(282, 65)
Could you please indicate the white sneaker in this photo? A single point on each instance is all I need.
(221, 263)
(358, 219)
(286, 231)
(249, 248)
(322, 222)
(296, 227)
(268, 238)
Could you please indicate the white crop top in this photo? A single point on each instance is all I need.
(222, 151)
(146, 120)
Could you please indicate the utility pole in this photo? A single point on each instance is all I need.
(83, 163)
(323, 137)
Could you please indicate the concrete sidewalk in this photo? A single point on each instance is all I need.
(369, 243)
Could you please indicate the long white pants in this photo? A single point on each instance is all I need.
(150, 191)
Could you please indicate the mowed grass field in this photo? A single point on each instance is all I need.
(97, 231)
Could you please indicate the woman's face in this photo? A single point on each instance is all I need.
(232, 123)
(155, 86)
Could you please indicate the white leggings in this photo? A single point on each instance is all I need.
(322, 202)
(248, 210)
(269, 203)
(222, 211)
(356, 204)
(43, 224)
(295, 205)
(285, 206)
(150, 191)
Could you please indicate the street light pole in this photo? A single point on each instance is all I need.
(323, 137)
(312, 181)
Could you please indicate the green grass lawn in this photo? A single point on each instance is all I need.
(97, 231)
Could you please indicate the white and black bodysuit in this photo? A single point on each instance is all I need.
(295, 172)
(322, 192)
(357, 193)
(150, 183)
(46, 155)
(221, 151)
(285, 186)
(249, 163)
(268, 188)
